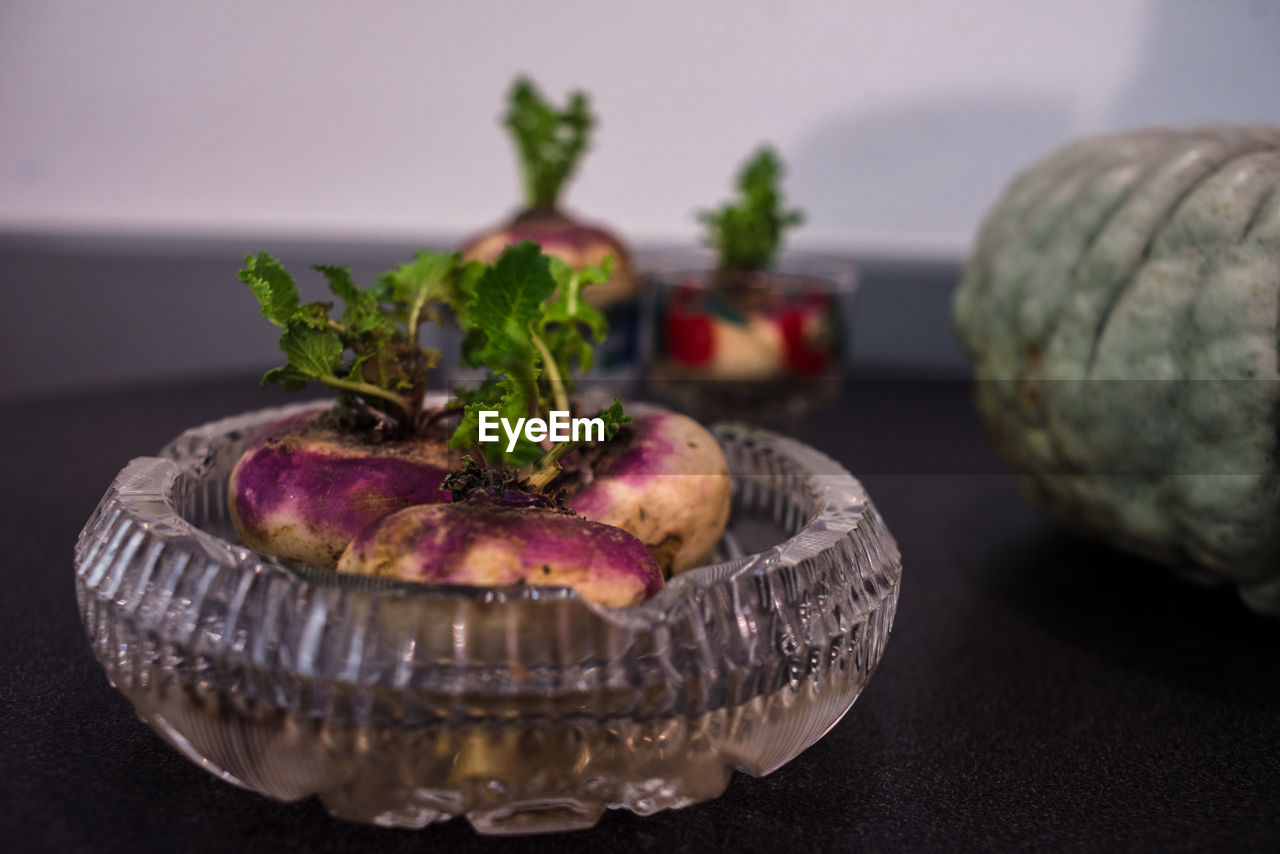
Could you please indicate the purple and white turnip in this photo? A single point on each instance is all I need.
(667, 482)
(309, 484)
(503, 539)
(550, 142)
(305, 488)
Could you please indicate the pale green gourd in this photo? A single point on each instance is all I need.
(1121, 309)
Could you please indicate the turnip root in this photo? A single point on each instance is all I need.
(666, 482)
(504, 539)
(307, 487)
(550, 142)
(740, 322)
(313, 485)
(309, 484)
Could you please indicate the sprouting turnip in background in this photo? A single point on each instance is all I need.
(550, 142)
(739, 322)
(497, 537)
(309, 484)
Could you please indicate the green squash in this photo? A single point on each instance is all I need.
(1121, 310)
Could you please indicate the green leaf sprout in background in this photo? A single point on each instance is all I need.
(747, 232)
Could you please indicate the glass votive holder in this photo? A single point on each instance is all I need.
(763, 346)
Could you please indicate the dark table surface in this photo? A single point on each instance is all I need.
(1036, 691)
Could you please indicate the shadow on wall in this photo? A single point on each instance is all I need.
(1204, 62)
(924, 170)
(933, 168)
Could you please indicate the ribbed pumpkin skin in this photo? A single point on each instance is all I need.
(1121, 311)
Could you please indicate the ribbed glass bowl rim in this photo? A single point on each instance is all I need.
(840, 500)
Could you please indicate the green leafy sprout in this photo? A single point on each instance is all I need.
(522, 317)
(549, 140)
(747, 232)
(372, 352)
(527, 323)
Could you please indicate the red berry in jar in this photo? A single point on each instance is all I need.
(690, 338)
(807, 350)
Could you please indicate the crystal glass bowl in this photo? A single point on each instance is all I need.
(523, 709)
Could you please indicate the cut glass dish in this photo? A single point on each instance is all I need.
(522, 709)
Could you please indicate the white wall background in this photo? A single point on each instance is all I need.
(311, 118)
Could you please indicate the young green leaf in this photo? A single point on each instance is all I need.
(312, 352)
(508, 299)
(340, 282)
(287, 377)
(363, 314)
(549, 140)
(387, 367)
(527, 323)
(431, 278)
(567, 317)
(512, 290)
(569, 307)
(747, 234)
(272, 285)
(614, 418)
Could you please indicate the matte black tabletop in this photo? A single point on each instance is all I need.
(1036, 690)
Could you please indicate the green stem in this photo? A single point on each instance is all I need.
(547, 467)
(558, 390)
(574, 287)
(536, 194)
(369, 390)
(415, 313)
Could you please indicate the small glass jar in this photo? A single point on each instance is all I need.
(767, 346)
